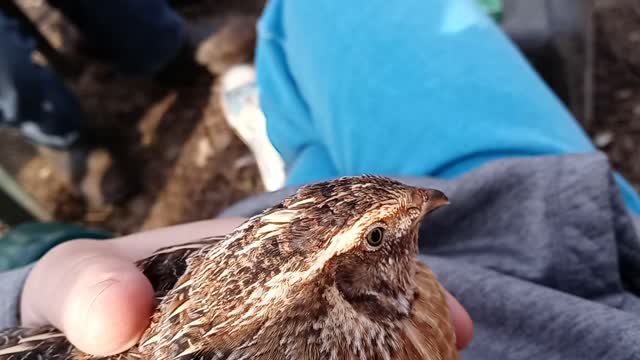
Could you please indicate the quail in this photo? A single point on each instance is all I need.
(331, 272)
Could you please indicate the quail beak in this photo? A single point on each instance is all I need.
(434, 199)
(428, 200)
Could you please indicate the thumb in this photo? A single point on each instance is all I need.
(99, 299)
(461, 321)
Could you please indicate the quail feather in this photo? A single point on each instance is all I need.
(331, 272)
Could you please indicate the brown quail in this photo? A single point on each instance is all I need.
(329, 273)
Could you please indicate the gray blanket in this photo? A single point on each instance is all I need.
(540, 250)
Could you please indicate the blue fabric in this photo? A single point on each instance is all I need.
(31, 97)
(431, 87)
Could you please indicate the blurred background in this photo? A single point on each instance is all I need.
(183, 162)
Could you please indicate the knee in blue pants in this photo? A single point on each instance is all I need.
(431, 87)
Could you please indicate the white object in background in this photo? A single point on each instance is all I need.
(240, 103)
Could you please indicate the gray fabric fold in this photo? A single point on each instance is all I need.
(542, 253)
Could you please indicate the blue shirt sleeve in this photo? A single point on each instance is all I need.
(11, 283)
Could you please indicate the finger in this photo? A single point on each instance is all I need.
(92, 291)
(140, 245)
(109, 307)
(101, 301)
(461, 320)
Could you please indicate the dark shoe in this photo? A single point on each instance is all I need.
(183, 70)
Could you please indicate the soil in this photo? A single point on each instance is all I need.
(172, 142)
(188, 163)
(616, 123)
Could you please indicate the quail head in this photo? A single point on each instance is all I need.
(329, 273)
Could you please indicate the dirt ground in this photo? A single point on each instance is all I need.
(616, 124)
(174, 141)
(189, 163)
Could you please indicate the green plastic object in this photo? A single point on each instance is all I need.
(493, 8)
(27, 242)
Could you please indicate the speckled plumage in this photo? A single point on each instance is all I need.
(306, 279)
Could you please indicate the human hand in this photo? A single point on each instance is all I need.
(93, 292)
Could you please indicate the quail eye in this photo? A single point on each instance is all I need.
(375, 236)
